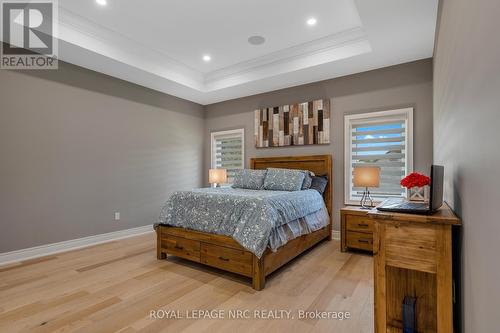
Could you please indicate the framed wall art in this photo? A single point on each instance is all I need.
(293, 125)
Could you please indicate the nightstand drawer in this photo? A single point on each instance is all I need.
(358, 240)
(359, 223)
(356, 229)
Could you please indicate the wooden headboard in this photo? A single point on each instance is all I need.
(319, 164)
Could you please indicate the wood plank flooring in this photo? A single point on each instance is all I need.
(113, 287)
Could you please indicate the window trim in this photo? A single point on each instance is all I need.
(348, 121)
(239, 131)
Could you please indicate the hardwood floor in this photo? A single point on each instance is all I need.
(113, 287)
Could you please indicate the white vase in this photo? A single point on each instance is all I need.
(418, 194)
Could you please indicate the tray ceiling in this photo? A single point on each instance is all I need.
(160, 44)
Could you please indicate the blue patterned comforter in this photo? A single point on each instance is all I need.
(248, 216)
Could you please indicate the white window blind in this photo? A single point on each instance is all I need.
(228, 151)
(382, 139)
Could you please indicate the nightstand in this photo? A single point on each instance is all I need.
(356, 229)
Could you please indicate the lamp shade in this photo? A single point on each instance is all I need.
(366, 176)
(217, 176)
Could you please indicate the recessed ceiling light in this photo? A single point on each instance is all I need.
(312, 21)
(207, 58)
(256, 40)
(101, 2)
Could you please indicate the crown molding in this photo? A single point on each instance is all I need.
(292, 64)
(82, 32)
(89, 35)
(326, 43)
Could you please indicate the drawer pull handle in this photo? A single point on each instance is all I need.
(363, 241)
(179, 247)
(223, 259)
(364, 225)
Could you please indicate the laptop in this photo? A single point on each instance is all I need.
(399, 205)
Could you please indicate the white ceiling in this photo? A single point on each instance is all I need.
(159, 44)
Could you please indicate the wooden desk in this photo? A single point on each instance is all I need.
(412, 257)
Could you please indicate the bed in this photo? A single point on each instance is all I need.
(240, 253)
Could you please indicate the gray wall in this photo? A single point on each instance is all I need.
(382, 89)
(76, 146)
(466, 142)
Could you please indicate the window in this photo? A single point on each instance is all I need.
(228, 151)
(383, 139)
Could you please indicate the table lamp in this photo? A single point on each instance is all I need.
(217, 177)
(366, 176)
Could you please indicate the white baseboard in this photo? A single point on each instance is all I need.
(336, 234)
(44, 250)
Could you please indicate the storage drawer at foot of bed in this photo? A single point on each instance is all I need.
(182, 247)
(236, 261)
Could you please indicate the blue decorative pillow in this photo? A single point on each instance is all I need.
(284, 179)
(251, 179)
(308, 177)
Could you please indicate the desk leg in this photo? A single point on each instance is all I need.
(379, 278)
(444, 281)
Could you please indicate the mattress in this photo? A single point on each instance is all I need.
(248, 216)
(296, 228)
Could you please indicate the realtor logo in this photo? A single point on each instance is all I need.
(28, 29)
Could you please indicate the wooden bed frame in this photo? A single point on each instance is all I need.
(225, 253)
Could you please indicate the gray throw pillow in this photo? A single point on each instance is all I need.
(319, 184)
(250, 179)
(284, 180)
(308, 176)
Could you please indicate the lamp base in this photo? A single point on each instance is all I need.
(365, 199)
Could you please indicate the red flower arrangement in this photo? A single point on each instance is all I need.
(415, 179)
